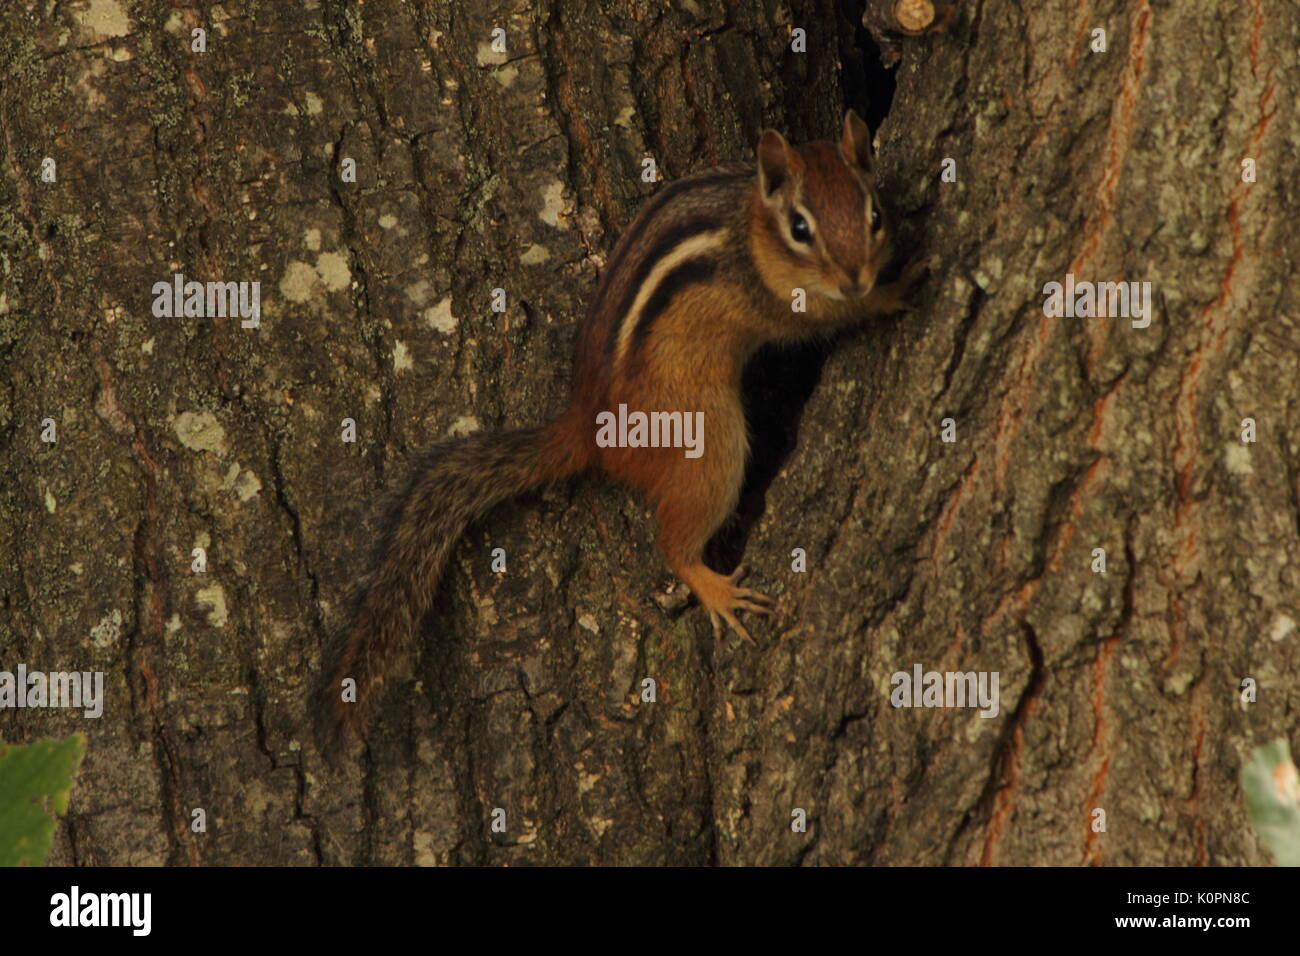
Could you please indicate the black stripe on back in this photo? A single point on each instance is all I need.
(663, 245)
(690, 272)
(677, 187)
(648, 214)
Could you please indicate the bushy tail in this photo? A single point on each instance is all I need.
(449, 486)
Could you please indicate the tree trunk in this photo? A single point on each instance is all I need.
(480, 170)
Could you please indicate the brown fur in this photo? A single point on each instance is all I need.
(837, 203)
(725, 274)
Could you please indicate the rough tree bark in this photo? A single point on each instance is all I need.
(479, 170)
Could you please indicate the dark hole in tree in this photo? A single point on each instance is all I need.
(867, 84)
(778, 381)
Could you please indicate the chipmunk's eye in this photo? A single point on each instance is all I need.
(875, 219)
(799, 228)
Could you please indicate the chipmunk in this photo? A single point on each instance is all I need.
(705, 275)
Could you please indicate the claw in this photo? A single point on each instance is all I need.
(719, 595)
(737, 626)
(756, 597)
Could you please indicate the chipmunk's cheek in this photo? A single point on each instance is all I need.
(832, 292)
(832, 282)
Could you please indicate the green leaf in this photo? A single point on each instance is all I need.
(34, 781)
(1273, 800)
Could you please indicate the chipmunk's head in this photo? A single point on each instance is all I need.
(821, 225)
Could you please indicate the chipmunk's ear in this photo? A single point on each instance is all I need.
(855, 144)
(777, 162)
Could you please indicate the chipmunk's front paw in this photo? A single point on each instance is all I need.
(897, 295)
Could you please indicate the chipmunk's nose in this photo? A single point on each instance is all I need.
(854, 288)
